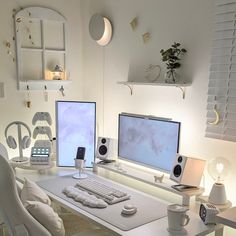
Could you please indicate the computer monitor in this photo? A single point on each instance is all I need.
(75, 127)
(148, 141)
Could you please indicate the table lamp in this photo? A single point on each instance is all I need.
(218, 169)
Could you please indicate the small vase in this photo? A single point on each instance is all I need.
(171, 77)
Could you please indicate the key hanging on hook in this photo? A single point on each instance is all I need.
(45, 93)
(28, 102)
(62, 91)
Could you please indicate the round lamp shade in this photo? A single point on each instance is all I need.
(218, 168)
(100, 29)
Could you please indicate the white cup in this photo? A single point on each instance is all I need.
(177, 218)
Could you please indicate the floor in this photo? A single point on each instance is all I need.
(77, 226)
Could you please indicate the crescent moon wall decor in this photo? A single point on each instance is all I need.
(217, 117)
(100, 29)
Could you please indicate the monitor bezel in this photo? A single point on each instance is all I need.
(149, 118)
(56, 118)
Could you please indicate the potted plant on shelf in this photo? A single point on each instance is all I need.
(171, 57)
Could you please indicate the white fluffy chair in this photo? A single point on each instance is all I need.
(12, 211)
(3, 151)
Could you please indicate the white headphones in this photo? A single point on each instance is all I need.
(24, 142)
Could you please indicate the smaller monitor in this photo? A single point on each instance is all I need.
(76, 128)
(148, 141)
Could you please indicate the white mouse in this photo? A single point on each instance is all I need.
(129, 209)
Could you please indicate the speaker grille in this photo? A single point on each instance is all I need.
(102, 150)
(177, 170)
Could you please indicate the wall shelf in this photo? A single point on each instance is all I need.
(41, 50)
(130, 84)
(40, 84)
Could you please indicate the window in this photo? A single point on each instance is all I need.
(221, 103)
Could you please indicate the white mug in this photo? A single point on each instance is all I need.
(177, 217)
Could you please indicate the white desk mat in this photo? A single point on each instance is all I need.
(148, 208)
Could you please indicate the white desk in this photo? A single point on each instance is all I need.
(228, 217)
(157, 227)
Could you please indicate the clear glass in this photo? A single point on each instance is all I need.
(171, 77)
(219, 168)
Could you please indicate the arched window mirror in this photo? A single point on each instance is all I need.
(40, 48)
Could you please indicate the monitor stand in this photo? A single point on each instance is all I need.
(148, 178)
(20, 159)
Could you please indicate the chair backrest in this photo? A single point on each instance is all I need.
(14, 214)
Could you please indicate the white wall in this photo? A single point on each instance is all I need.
(12, 106)
(184, 21)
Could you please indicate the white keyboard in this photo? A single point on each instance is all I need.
(103, 191)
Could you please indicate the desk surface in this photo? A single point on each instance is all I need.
(195, 227)
(228, 217)
(148, 208)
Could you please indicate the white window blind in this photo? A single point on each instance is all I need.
(222, 82)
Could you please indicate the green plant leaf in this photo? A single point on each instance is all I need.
(172, 55)
(177, 65)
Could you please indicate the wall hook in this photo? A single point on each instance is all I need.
(62, 91)
(45, 93)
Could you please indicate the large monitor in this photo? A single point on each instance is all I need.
(75, 127)
(149, 141)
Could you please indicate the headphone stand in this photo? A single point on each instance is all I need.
(20, 158)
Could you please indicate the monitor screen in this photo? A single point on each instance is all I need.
(148, 141)
(76, 127)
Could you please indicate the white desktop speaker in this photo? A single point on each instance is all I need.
(187, 170)
(104, 148)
